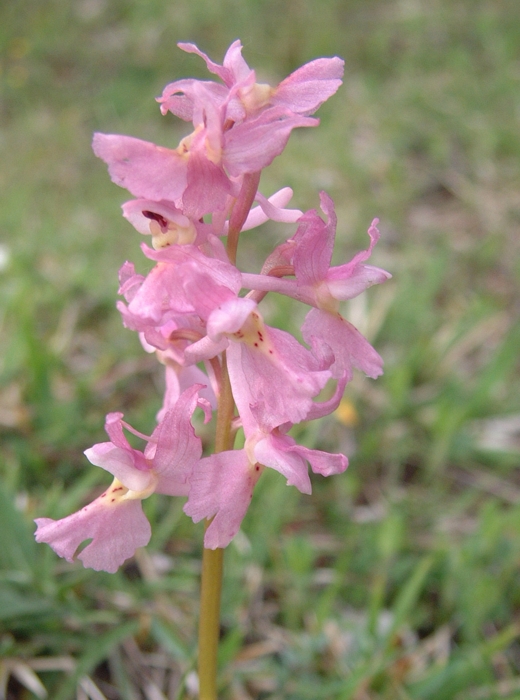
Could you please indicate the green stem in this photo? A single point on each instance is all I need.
(209, 622)
(212, 562)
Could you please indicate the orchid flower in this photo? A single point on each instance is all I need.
(302, 92)
(167, 225)
(308, 256)
(222, 484)
(206, 167)
(115, 521)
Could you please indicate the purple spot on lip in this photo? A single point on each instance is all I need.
(161, 220)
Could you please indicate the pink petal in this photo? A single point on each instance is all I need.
(119, 458)
(356, 282)
(225, 74)
(278, 361)
(121, 464)
(274, 206)
(161, 295)
(114, 430)
(181, 97)
(220, 270)
(373, 232)
(206, 295)
(172, 390)
(281, 452)
(253, 144)
(180, 378)
(178, 448)
(325, 408)
(207, 186)
(221, 488)
(322, 463)
(349, 280)
(129, 281)
(350, 348)
(234, 67)
(234, 62)
(204, 349)
(272, 452)
(309, 86)
(268, 283)
(229, 317)
(116, 530)
(315, 243)
(141, 167)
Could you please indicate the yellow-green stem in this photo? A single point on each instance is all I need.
(209, 622)
(212, 563)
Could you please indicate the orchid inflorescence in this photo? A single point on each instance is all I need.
(191, 310)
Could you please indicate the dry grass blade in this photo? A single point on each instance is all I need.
(24, 674)
(489, 483)
(90, 689)
(499, 433)
(152, 692)
(503, 689)
(53, 663)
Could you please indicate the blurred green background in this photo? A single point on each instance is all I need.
(397, 580)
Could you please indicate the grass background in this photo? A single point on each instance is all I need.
(398, 580)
